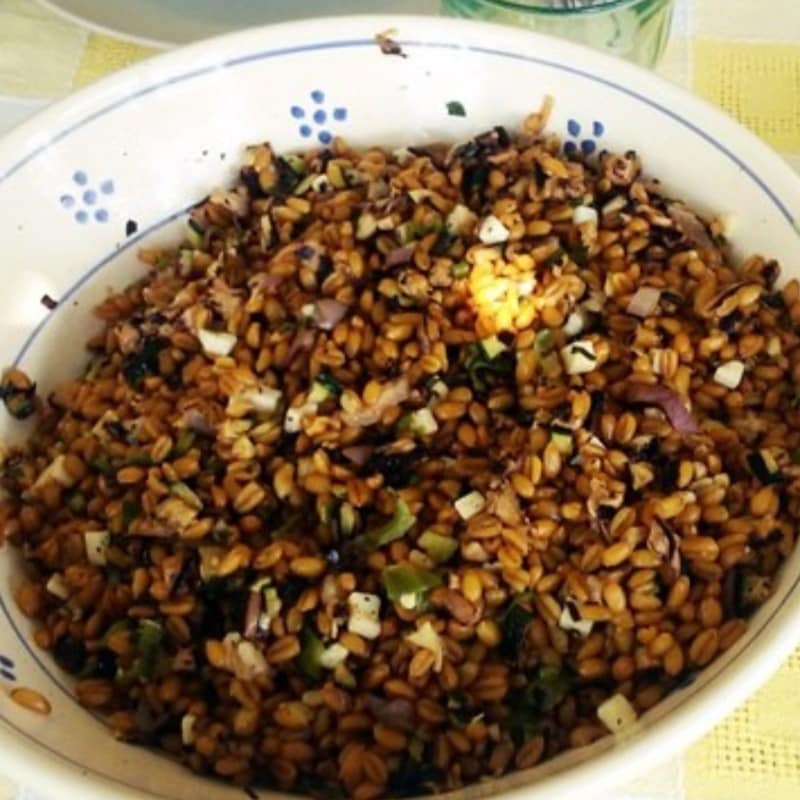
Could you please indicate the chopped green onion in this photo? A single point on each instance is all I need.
(492, 346)
(562, 439)
(183, 443)
(182, 491)
(470, 504)
(439, 548)
(408, 584)
(400, 524)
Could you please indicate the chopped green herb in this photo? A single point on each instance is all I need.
(763, 466)
(77, 502)
(455, 108)
(579, 254)
(102, 464)
(576, 348)
(413, 778)
(309, 660)
(546, 689)
(513, 625)
(485, 372)
(130, 512)
(20, 402)
(141, 365)
(329, 382)
(751, 590)
(149, 640)
(475, 179)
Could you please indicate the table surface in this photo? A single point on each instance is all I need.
(730, 52)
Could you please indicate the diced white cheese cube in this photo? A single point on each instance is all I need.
(460, 220)
(418, 195)
(408, 600)
(56, 586)
(266, 399)
(525, 286)
(364, 618)
(579, 357)
(576, 323)
(644, 302)
(729, 374)
(583, 214)
(470, 504)
(96, 543)
(187, 729)
(492, 231)
(55, 471)
(617, 713)
(567, 622)
(216, 343)
(422, 422)
(774, 347)
(292, 422)
(332, 656)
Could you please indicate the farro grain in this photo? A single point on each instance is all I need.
(31, 699)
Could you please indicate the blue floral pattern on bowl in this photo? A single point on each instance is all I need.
(578, 140)
(7, 668)
(318, 119)
(85, 199)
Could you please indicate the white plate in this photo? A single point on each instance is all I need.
(163, 23)
(115, 167)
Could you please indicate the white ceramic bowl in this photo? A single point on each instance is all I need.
(147, 143)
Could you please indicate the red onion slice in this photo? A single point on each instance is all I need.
(401, 255)
(304, 340)
(330, 313)
(690, 225)
(358, 454)
(195, 421)
(397, 713)
(668, 400)
(251, 614)
(644, 302)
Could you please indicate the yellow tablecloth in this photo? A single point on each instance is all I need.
(743, 55)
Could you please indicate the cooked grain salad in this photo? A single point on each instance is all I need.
(408, 469)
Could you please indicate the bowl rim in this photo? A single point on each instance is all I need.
(51, 772)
